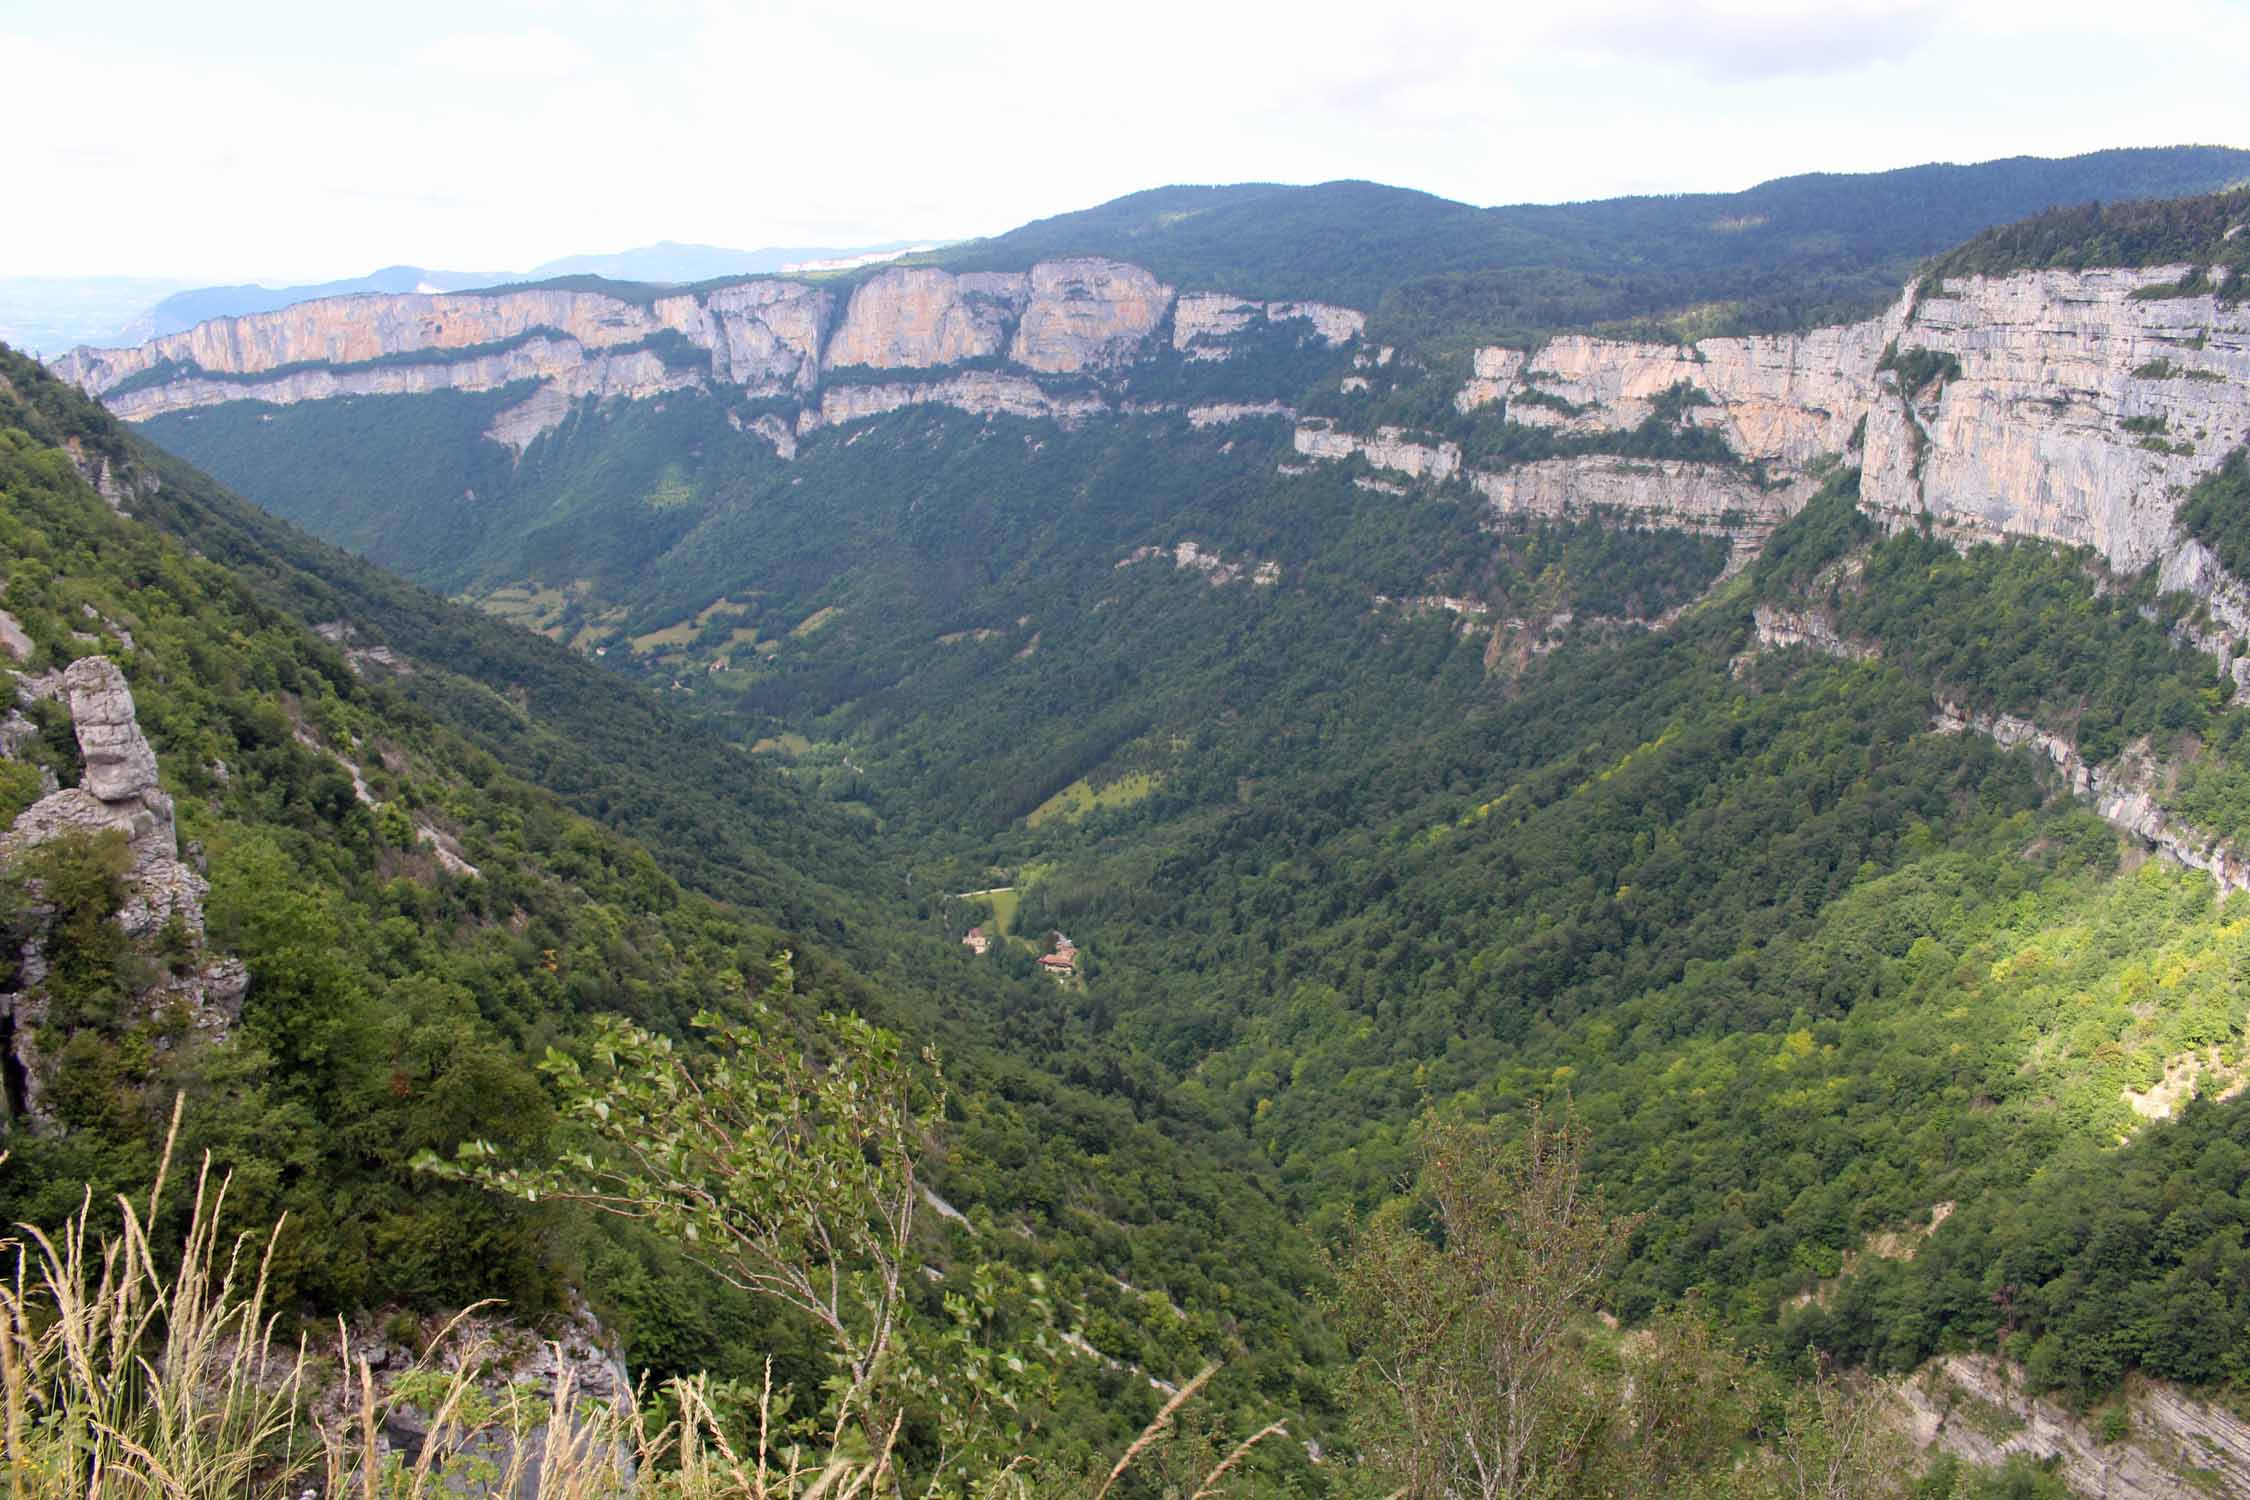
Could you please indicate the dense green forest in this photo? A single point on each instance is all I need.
(2156, 230)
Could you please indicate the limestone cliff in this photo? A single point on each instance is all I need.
(918, 319)
(1778, 629)
(564, 371)
(1087, 314)
(1780, 399)
(1390, 448)
(1975, 1406)
(2030, 436)
(118, 792)
(2071, 406)
(1206, 324)
(975, 391)
(1706, 499)
(1085, 318)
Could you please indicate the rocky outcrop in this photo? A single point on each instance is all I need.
(119, 484)
(1216, 570)
(2018, 427)
(1205, 324)
(764, 336)
(1707, 499)
(979, 392)
(1220, 411)
(1778, 629)
(1390, 448)
(1087, 315)
(919, 319)
(1784, 399)
(517, 1372)
(565, 370)
(117, 792)
(2069, 406)
(1974, 1406)
(2189, 1075)
(2124, 793)
(1332, 325)
(1495, 371)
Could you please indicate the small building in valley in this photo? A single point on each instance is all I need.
(977, 942)
(1063, 961)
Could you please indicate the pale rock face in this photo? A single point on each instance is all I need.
(2030, 441)
(119, 485)
(119, 763)
(515, 428)
(1708, 499)
(568, 369)
(778, 433)
(1784, 398)
(575, 1363)
(2194, 568)
(1779, 629)
(1218, 412)
(1390, 448)
(118, 791)
(2169, 1433)
(985, 393)
(1334, 325)
(20, 646)
(1204, 323)
(1494, 376)
(1216, 570)
(352, 330)
(919, 319)
(1087, 314)
(764, 336)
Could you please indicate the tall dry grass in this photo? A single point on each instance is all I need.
(121, 1376)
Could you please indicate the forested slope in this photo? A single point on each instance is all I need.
(394, 1006)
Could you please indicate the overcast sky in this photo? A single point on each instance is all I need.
(299, 140)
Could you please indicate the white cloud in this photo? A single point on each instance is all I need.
(537, 53)
(1728, 41)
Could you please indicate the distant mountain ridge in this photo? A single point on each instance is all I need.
(183, 310)
(1792, 252)
(48, 314)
